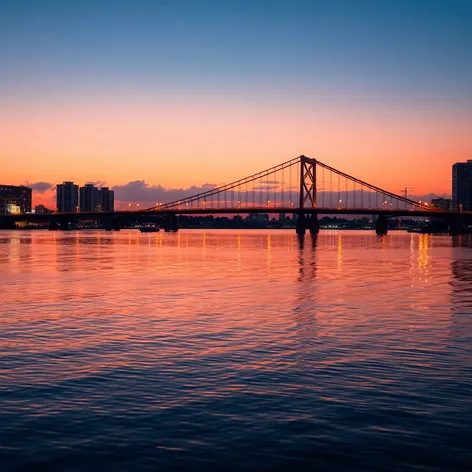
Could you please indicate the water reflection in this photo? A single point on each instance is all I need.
(305, 306)
(339, 342)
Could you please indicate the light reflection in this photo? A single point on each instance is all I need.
(340, 250)
(304, 309)
(423, 252)
(269, 252)
(238, 239)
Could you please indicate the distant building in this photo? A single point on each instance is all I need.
(39, 209)
(106, 199)
(67, 197)
(462, 186)
(258, 217)
(17, 195)
(442, 203)
(95, 199)
(88, 198)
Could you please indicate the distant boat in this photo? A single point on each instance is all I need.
(149, 229)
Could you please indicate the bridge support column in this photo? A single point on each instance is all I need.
(381, 225)
(314, 224)
(112, 224)
(53, 226)
(456, 226)
(64, 224)
(301, 223)
(171, 224)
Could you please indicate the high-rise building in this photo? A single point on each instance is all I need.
(462, 186)
(67, 197)
(89, 198)
(16, 195)
(442, 203)
(106, 199)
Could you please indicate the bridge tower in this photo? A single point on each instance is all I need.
(307, 197)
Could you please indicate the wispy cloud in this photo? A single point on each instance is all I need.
(140, 191)
(40, 187)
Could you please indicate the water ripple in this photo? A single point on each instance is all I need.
(236, 351)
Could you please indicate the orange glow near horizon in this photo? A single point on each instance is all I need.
(178, 143)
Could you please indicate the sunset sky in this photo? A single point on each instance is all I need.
(182, 93)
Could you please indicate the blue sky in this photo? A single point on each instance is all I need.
(122, 91)
(416, 47)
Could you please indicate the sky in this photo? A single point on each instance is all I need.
(183, 94)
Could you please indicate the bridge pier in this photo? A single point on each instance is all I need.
(314, 224)
(381, 225)
(456, 226)
(112, 224)
(304, 223)
(64, 224)
(171, 224)
(300, 226)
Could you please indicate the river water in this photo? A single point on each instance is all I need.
(227, 350)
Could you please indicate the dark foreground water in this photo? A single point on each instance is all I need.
(235, 351)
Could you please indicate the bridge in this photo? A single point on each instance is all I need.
(303, 186)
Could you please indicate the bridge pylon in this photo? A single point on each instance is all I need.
(307, 183)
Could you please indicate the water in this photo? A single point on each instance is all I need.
(235, 351)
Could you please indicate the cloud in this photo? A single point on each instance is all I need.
(140, 191)
(40, 187)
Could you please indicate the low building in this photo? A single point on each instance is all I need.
(16, 195)
(40, 209)
(442, 203)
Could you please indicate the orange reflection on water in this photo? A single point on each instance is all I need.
(117, 299)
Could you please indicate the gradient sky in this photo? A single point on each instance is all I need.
(180, 92)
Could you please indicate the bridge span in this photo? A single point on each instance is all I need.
(302, 187)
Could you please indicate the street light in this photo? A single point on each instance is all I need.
(268, 203)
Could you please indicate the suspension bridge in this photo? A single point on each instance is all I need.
(303, 186)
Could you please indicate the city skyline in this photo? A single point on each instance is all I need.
(133, 94)
(151, 195)
(277, 191)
